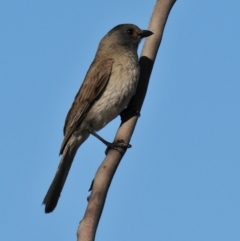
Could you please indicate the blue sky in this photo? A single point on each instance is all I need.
(181, 178)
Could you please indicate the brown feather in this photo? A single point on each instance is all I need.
(91, 90)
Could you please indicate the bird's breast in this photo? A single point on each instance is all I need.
(119, 90)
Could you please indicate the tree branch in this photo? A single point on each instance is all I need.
(103, 177)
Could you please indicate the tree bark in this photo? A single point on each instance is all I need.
(103, 177)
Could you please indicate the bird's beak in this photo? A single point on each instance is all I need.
(145, 33)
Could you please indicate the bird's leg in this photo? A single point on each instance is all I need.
(91, 131)
(118, 145)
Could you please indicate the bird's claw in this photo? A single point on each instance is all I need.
(118, 145)
(128, 113)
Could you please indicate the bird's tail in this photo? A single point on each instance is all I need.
(54, 191)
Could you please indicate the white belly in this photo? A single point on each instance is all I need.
(120, 89)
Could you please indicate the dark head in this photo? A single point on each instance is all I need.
(128, 35)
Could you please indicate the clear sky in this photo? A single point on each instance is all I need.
(181, 178)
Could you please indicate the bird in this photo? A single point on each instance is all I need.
(108, 86)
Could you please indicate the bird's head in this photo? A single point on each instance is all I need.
(128, 35)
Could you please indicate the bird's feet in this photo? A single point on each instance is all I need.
(118, 145)
(128, 113)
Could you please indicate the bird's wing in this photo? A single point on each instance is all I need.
(92, 87)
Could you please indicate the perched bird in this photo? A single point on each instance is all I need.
(109, 84)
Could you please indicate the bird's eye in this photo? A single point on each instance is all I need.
(130, 31)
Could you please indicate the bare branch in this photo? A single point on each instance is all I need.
(102, 180)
